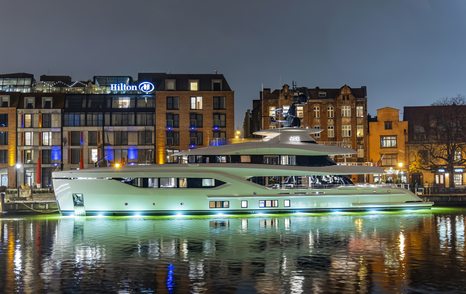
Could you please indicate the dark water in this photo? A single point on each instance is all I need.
(325, 253)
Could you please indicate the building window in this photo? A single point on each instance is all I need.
(389, 159)
(173, 120)
(28, 120)
(145, 102)
(75, 156)
(46, 138)
(168, 182)
(244, 204)
(388, 125)
(208, 182)
(170, 85)
(388, 141)
(360, 151)
(123, 119)
(28, 155)
(316, 110)
(94, 119)
(4, 101)
(317, 135)
(28, 139)
(300, 111)
(46, 120)
(195, 138)
(56, 120)
(216, 85)
(173, 102)
(359, 131)
(173, 138)
(346, 131)
(272, 111)
(74, 119)
(92, 138)
(220, 120)
(3, 156)
(322, 94)
(94, 153)
(144, 137)
(331, 131)
(286, 203)
(3, 138)
(193, 85)
(121, 138)
(123, 102)
(458, 179)
(46, 156)
(346, 111)
(458, 155)
(47, 102)
(219, 102)
(145, 119)
(268, 203)
(330, 111)
(4, 120)
(195, 120)
(359, 111)
(29, 102)
(75, 138)
(196, 102)
(219, 204)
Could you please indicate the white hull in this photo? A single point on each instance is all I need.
(102, 194)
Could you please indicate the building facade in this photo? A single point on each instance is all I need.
(437, 145)
(341, 114)
(387, 145)
(56, 123)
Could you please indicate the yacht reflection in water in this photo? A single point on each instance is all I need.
(286, 254)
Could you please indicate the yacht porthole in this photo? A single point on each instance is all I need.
(153, 203)
(181, 203)
(126, 203)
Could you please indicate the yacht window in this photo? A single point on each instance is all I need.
(244, 204)
(288, 160)
(286, 203)
(167, 182)
(182, 182)
(208, 182)
(268, 203)
(219, 204)
(245, 158)
(221, 159)
(152, 183)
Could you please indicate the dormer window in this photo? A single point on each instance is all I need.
(29, 102)
(4, 101)
(47, 102)
(216, 85)
(194, 85)
(170, 85)
(322, 94)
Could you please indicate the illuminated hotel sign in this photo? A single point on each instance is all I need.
(146, 87)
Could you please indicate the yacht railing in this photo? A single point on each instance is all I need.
(331, 186)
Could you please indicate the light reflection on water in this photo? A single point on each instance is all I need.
(265, 254)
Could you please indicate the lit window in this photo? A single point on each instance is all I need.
(316, 110)
(244, 204)
(28, 120)
(46, 138)
(123, 102)
(183, 182)
(94, 155)
(272, 110)
(360, 151)
(388, 141)
(346, 131)
(458, 155)
(300, 111)
(28, 138)
(330, 111)
(167, 182)
(359, 111)
(359, 131)
(268, 203)
(346, 111)
(196, 102)
(194, 85)
(219, 204)
(458, 179)
(286, 203)
(331, 131)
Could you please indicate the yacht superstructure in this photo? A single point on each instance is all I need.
(285, 172)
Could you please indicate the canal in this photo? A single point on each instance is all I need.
(374, 252)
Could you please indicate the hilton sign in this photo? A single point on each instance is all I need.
(146, 87)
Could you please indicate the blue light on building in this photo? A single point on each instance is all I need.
(132, 153)
(56, 153)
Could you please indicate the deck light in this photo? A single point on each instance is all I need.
(117, 165)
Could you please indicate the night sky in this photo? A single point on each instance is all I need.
(407, 52)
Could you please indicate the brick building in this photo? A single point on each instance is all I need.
(341, 113)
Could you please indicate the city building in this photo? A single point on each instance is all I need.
(56, 123)
(387, 145)
(341, 113)
(437, 145)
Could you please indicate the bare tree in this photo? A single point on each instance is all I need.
(445, 141)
